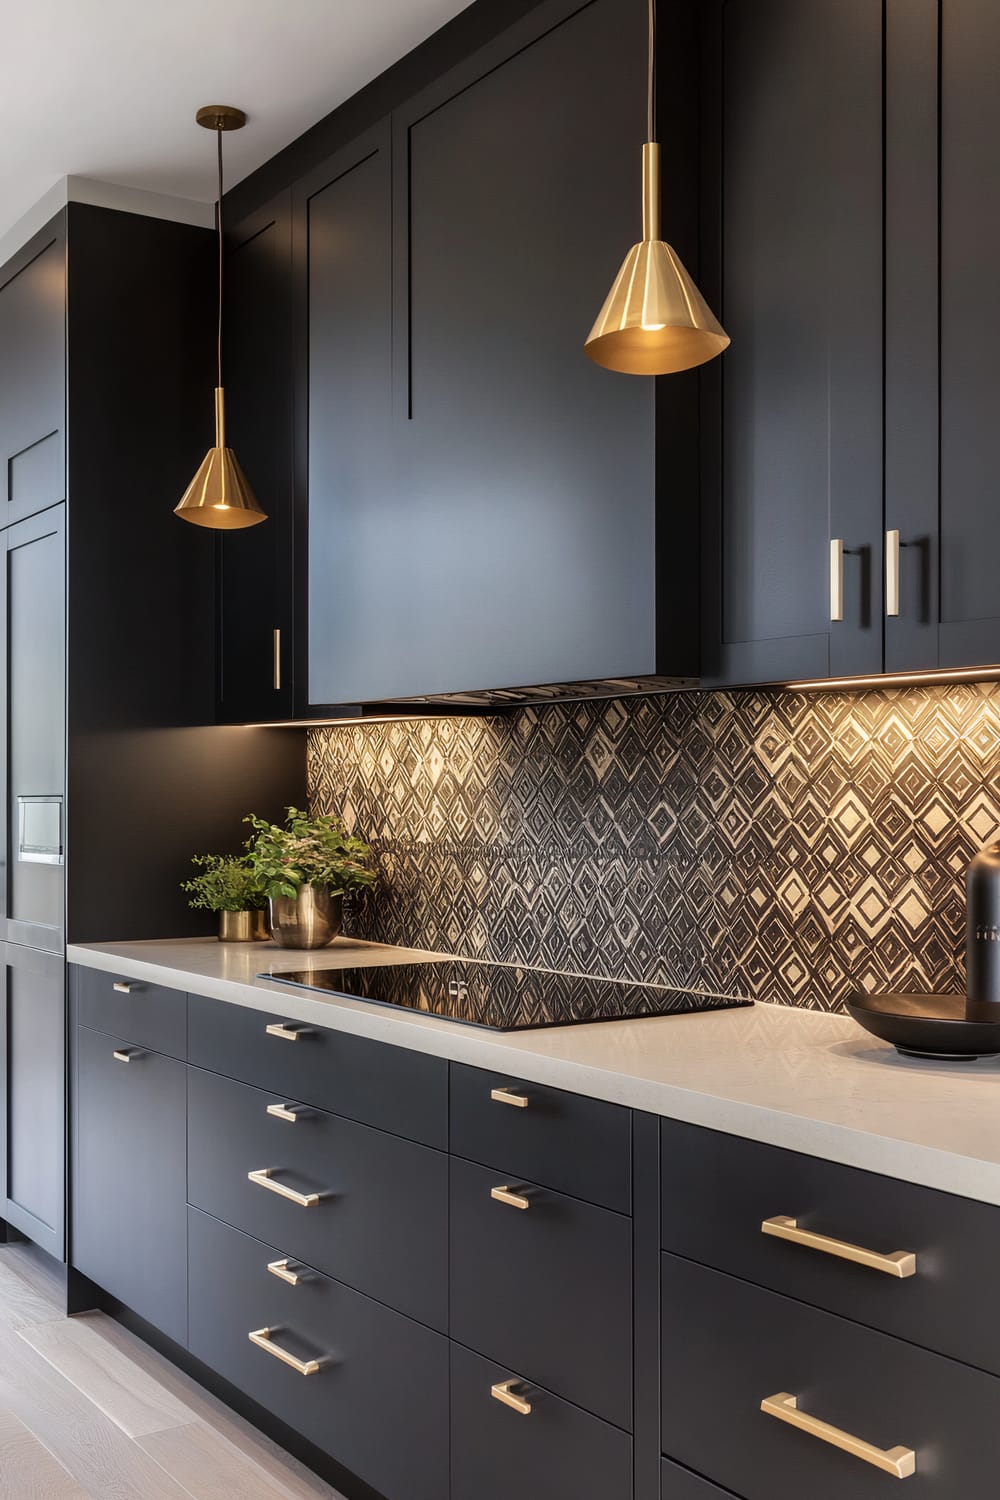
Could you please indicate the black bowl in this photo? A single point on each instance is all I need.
(926, 1026)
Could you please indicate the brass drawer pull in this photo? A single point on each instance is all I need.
(282, 1269)
(262, 1338)
(892, 573)
(263, 1178)
(507, 1096)
(900, 1263)
(506, 1195)
(286, 1033)
(502, 1392)
(120, 1056)
(836, 579)
(276, 663)
(282, 1112)
(900, 1462)
(121, 988)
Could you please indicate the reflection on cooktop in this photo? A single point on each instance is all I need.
(502, 997)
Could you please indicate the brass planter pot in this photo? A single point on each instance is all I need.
(243, 927)
(310, 920)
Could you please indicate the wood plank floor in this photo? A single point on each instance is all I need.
(88, 1412)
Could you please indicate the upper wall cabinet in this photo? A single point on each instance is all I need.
(33, 384)
(792, 458)
(479, 499)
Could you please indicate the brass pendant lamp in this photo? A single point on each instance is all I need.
(655, 320)
(219, 495)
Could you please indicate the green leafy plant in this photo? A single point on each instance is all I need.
(307, 851)
(227, 882)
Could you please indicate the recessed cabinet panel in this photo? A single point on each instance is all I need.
(793, 452)
(32, 1047)
(33, 378)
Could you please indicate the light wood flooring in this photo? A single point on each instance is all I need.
(88, 1412)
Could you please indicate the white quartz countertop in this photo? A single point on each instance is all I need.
(801, 1079)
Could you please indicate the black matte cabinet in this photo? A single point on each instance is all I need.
(129, 1228)
(792, 412)
(33, 1090)
(32, 377)
(255, 564)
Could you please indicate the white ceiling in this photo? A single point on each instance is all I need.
(108, 89)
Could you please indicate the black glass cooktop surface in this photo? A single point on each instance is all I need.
(500, 996)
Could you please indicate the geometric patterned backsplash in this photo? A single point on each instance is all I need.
(772, 845)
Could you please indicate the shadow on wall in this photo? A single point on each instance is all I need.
(783, 846)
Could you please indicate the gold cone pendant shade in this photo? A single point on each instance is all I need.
(219, 495)
(655, 320)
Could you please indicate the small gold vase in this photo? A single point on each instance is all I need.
(311, 920)
(243, 927)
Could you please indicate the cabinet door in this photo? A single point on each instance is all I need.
(350, 609)
(33, 1078)
(255, 570)
(33, 747)
(129, 1177)
(33, 376)
(792, 457)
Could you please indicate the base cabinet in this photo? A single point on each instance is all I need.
(32, 1087)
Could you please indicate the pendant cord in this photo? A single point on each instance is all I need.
(218, 220)
(651, 97)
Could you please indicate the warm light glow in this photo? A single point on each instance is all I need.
(942, 676)
(653, 327)
(357, 719)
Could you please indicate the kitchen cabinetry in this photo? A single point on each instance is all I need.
(32, 377)
(32, 1081)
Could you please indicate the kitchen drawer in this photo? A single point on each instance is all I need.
(554, 1452)
(389, 1087)
(546, 1290)
(680, 1484)
(147, 1015)
(378, 1402)
(570, 1143)
(381, 1219)
(718, 1190)
(728, 1345)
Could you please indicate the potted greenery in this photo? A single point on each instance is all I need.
(305, 867)
(228, 885)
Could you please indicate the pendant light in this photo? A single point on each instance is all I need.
(219, 495)
(655, 320)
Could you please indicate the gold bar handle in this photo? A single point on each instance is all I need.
(282, 1269)
(836, 579)
(892, 573)
(282, 1112)
(502, 1392)
(263, 1177)
(900, 1462)
(121, 1056)
(508, 1096)
(286, 1033)
(506, 1195)
(121, 988)
(262, 1338)
(900, 1263)
(276, 677)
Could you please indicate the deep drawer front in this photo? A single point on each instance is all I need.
(546, 1290)
(147, 1015)
(680, 1484)
(378, 1403)
(381, 1219)
(388, 1087)
(575, 1145)
(718, 1190)
(553, 1452)
(729, 1345)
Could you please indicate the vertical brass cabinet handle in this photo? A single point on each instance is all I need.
(262, 1177)
(282, 1112)
(836, 578)
(502, 1392)
(120, 1056)
(901, 1263)
(900, 1462)
(507, 1195)
(508, 1096)
(282, 1269)
(892, 573)
(276, 679)
(262, 1338)
(285, 1032)
(121, 988)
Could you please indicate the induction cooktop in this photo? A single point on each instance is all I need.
(502, 997)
